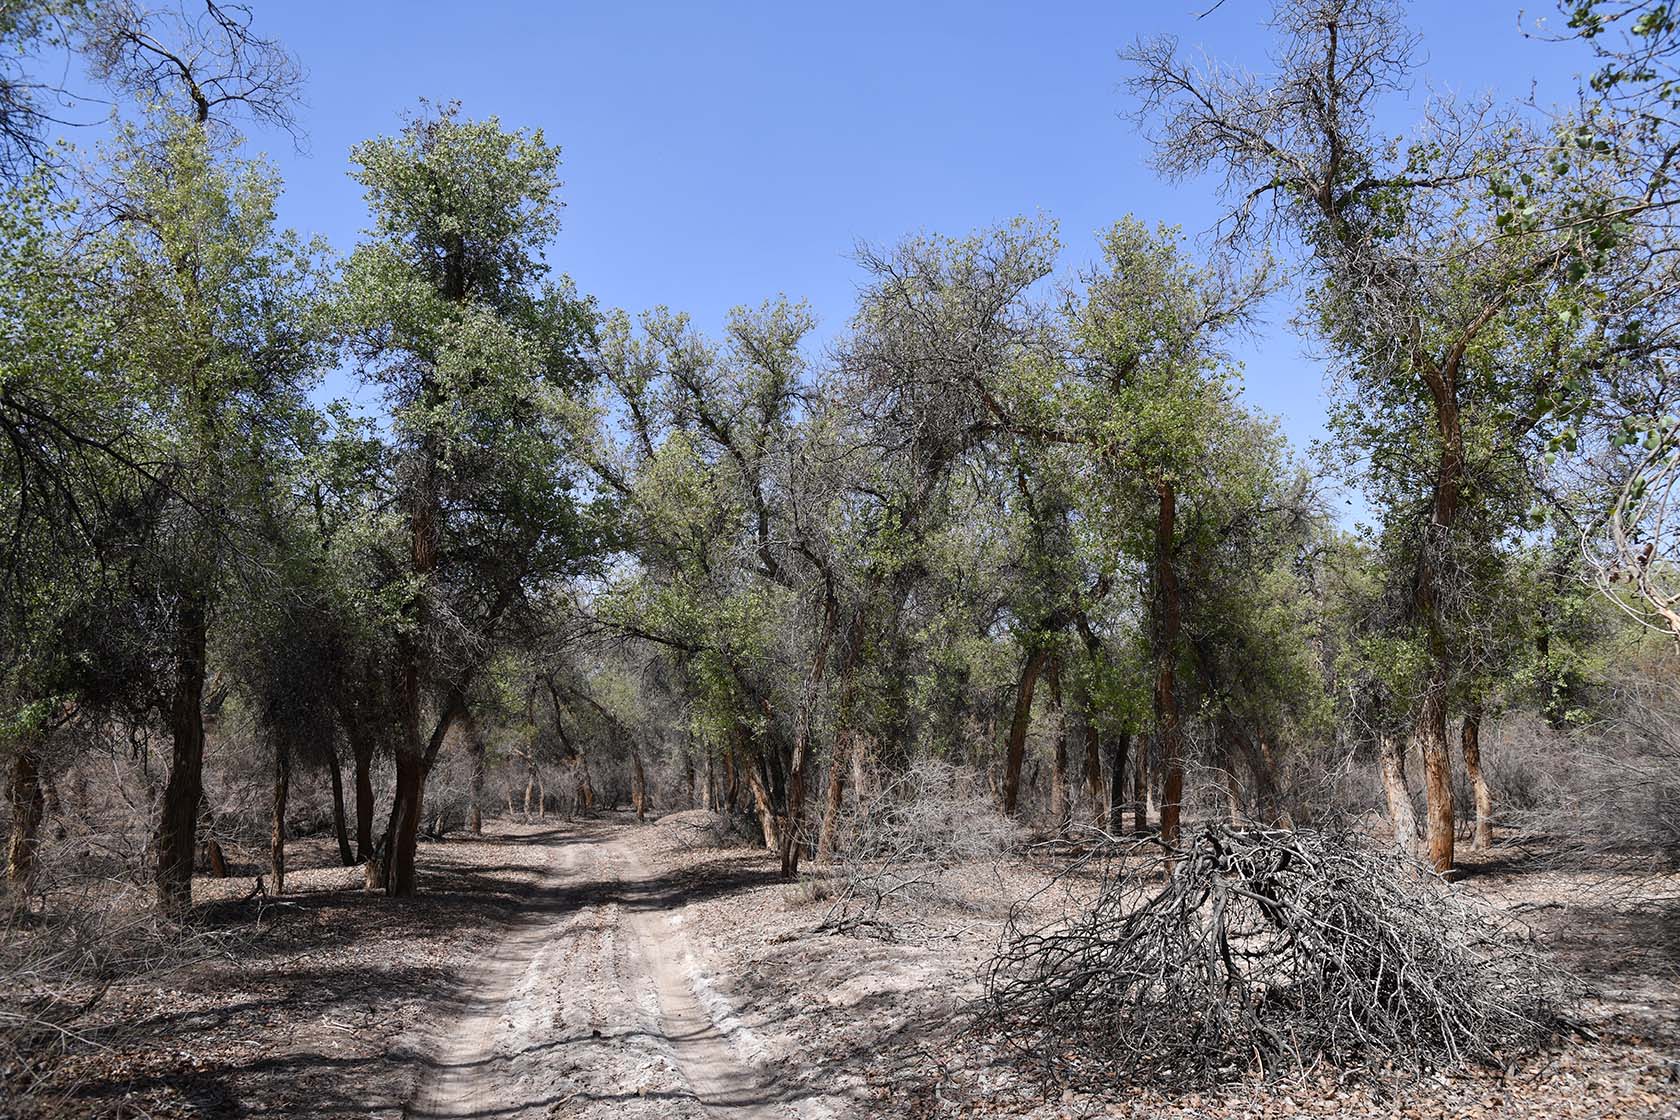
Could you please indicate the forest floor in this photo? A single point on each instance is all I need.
(608, 969)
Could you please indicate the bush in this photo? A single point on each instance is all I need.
(897, 843)
(1266, 951)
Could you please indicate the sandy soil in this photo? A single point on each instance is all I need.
(609, 969)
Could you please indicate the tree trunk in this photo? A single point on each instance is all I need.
(799, 758)
(835, 800)
(1429, 734)
(1093, 774)
(1017, 749)
(732, 780)
(340, 828)
(363, 752)
(1116, 820)
(1470, 736)
(1167, 614)
(403, 832)
(1400, 811)
(531, 786)
(277, 825)
(475, 793)
(638, 784)
(767, 820)
(1233, 792)
(27, 808)
(177, 831)
(1140, 788)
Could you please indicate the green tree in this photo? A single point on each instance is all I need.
(481, 360)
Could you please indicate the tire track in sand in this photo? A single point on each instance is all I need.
(586, 1008)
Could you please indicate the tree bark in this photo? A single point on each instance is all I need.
(1116, 820)
(28, 806)
(475, 793)
(836, 798)
(1400, 812)
(1140, 788)
(1429, 735)
(638, 784)
(1017, 749)
(177, 832)
(800, 757)
(1093, 774)
(340, 827)
(403, 831)
(1167, 624)
(277, 824)
(361, 747)
(1470, 736)
(762, 802)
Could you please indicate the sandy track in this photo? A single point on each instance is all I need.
(589, 1006)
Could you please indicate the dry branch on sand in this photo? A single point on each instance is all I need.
(1265, 951)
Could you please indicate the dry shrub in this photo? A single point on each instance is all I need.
(56, 968)
(1270, 951)
(897, 843)
(702, 829)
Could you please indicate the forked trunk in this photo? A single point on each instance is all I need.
(277, 824)
(177, 831)
(1470, 736)
(1018, 724)
(27, 808)
(1400, 812)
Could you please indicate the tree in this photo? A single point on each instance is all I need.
(479, 358)
(218, 331)
(1435, 269)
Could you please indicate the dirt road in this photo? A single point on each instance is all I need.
(593, 1006)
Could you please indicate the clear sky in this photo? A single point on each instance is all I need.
(719, 153)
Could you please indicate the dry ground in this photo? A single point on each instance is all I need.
(606, 969)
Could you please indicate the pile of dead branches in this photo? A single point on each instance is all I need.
(1264, 951)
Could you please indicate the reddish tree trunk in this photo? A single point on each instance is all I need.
(1470, 735)
(1400, 812)
(1018, 725)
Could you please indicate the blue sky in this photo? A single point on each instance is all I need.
(717, 154)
